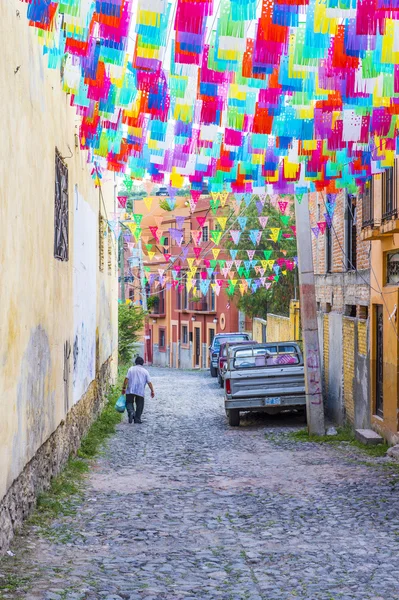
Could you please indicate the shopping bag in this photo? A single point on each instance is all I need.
(120, 405)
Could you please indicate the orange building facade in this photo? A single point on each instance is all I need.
(183, 320)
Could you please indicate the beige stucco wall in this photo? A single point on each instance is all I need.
(51, 312)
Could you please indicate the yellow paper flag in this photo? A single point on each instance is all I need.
(151, 255)
(223, 197)
(222, 222)
(215, 252)
(148, 202)
(274, 233)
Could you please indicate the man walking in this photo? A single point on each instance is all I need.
(134, 386)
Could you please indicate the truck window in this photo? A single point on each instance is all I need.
(265, 357)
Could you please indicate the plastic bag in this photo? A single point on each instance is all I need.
(120, 405)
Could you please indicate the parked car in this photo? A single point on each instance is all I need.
(264, 377)
(226, 347)
(214, 349)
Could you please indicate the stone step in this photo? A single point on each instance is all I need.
(368, 436)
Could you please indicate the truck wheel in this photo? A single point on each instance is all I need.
(213, 372)
(234, 417)
(220, 381)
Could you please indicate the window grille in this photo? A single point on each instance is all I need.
(61, 210)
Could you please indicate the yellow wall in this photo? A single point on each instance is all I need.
(348, 327)
(58, 319)
(278, 328)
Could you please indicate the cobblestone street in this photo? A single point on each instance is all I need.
(185, 507)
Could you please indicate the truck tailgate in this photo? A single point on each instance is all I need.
(258, 383)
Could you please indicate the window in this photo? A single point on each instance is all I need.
(161, 305)
(328, 250)
(350, 310)
(211, 336)
(266, 357)
(205, 234)
(350, 233)
(392, 268)
(363, 312)
(389, 200)
(162, 339)
(166, 245)
(213, 294)
(184, 335)
(368, 204)
(61, 216)
(178, 298)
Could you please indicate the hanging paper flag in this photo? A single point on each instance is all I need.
(203, 275)
(122, 201)
(167, 256)
(215, 196)
(195, 195)
(285, 219)
(210, 271)
(132, 226)
(254, 235)
(263, 221)
(192, 205)
(197, 252)
(148, 186)
(171, 203)
(293, 227)
(237, 263)
(190, 262)
(185, 250)
(151, 255)
(201, 221)
(148, 202)
(214, 204)
(247, 198)
(215, 252)
(251, 254)
(282, 206)
(216, 236)
(275, 233)
(242, 221)
(137, 234)
(235, 235)
(259, 207)
(322, 226)
(207, 263)
(267, 254)
(138, 219)
(316, 231)
(177, 235)
(225, 271)
(299, 197)
(222, 222)
(233, 254)
(238, 198)
(223, 197)
(155, 232)
(196, 235)
(328, 220)
(204, 286)
(179, 222)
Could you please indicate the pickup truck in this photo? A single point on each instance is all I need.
(215, 347)
(264, 377)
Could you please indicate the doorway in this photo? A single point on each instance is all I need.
(379, 364)
(197, 346)
(173, 351)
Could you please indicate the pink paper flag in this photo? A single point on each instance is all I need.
(263, 221)
(282, 206)
(197, 252)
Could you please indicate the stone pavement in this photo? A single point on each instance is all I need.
(185, 507)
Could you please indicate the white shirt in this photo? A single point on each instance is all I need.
(138, 377)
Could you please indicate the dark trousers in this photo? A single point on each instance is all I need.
(131, 410)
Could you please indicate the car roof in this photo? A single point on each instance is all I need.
(230, 334)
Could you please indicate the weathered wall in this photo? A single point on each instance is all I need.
(58, 320)
(278, 328)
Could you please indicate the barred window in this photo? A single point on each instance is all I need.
(101, 235)
(61, 208)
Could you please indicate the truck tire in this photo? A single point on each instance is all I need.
(220, 381)
(213, 371)
(234, 417)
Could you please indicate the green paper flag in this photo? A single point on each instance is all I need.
(216, 236)
(214, 204)
(285, 219)
(138, 219)
(267, 254)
